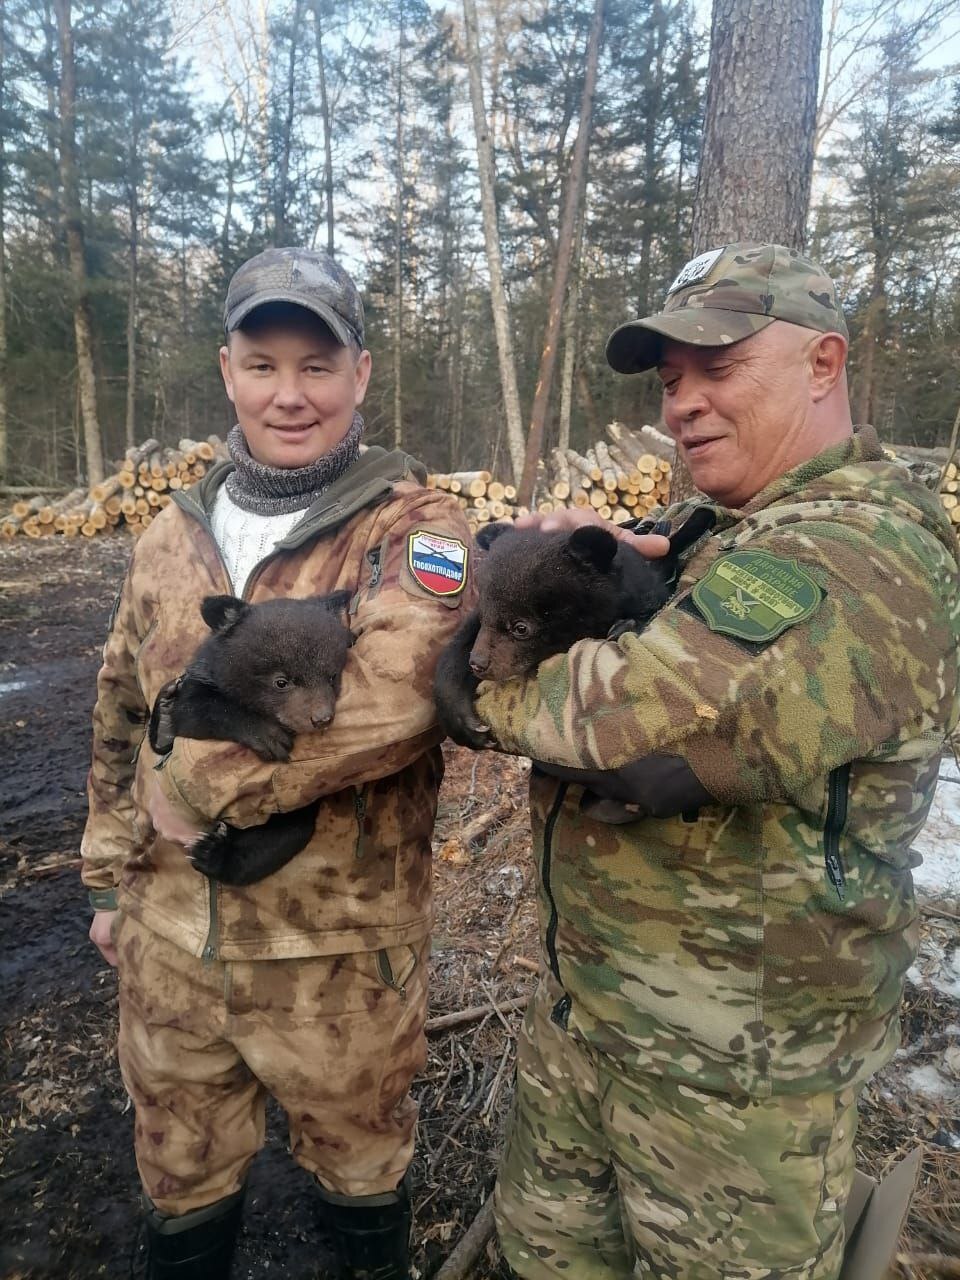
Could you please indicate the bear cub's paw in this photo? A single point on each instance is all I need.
(211, 854)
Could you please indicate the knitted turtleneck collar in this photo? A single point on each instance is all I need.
(277, 491)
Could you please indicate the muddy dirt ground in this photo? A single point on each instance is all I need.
(68, 1185)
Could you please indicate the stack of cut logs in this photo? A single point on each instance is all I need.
(621, 480)
(950, 491)
(138, 489)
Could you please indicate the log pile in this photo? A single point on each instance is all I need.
(139, 488)
(950, 491)
(623, 478)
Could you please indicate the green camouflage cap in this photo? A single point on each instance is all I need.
(727, 294)
(302, 277)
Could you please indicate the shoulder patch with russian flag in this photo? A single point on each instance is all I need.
(437, 563)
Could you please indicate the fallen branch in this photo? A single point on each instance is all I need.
(474, 831)
(444, 1021)
(470, 1245)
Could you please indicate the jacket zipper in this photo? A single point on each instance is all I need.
(561, 1010)
(386, 973)
(360, 808)
(209, 953)
(838, 791)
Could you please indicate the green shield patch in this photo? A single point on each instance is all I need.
(755, 596)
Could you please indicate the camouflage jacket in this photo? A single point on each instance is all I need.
(363, 882)
(762, 946)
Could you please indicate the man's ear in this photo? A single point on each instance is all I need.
(225, 372)
(222, 613)
(361, 376)
(487, 534)
(592, 546)
(828, 355)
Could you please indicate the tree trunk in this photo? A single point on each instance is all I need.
(262, 131)
(283, 176)
(327, 122)
(864, 403)
(491, 235)
(575, 188)
(756, 161)
(570, 336)
(75, 246)
(398, 257)
(4, 446)
(132, 291)
(757, 157)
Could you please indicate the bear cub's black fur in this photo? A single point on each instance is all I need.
(539, 594)
(266, 673)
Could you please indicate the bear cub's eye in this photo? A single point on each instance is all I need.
(280, 682)
(520, 630)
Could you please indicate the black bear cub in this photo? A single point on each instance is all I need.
(266, 673)
(539, 594)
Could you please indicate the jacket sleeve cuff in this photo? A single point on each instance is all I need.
(103, 899)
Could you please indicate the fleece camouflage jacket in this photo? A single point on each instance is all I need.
(363, 882)
(807, 671)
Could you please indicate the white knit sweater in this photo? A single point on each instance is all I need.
(244, 538)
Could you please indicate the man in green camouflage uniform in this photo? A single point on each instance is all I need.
(719, 984)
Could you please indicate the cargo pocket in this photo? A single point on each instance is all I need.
(403, 969)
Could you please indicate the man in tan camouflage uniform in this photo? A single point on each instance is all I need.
(718, 986)
(310, 984)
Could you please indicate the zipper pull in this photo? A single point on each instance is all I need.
(836, 875)
(376, 568)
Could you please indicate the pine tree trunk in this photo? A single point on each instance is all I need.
(757, 157)
(570, 336)
(262, 131)
(491, 235)
(398, 257)
(75, 246)
(575, 187)
(756, 161)
(283, 177)
(132, 301)
(4, 445)
(327, 122)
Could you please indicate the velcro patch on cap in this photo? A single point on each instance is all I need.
(437, 563)
(755, 596)
(696, 269)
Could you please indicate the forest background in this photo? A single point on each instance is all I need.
(147, 147)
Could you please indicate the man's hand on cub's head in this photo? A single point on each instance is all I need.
(652, 545)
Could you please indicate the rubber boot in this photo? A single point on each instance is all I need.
(371, 1234)
(193, 1246)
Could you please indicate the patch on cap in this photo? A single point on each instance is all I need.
(696, 269)
(437, 563)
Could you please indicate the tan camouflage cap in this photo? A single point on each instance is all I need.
(302, 277)
(727, 294)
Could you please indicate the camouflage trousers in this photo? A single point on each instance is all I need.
(336, 1040)
(608, 1174)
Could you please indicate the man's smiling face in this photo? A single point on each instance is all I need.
(293, 386)
(739, 412)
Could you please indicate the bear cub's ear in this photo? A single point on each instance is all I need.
(489, 533)
(222, 613)
(592, 546)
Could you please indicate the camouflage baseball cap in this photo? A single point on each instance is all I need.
(727, 294)
(303, 277)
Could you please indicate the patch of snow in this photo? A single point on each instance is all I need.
(929, 1082)
(939, 841)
